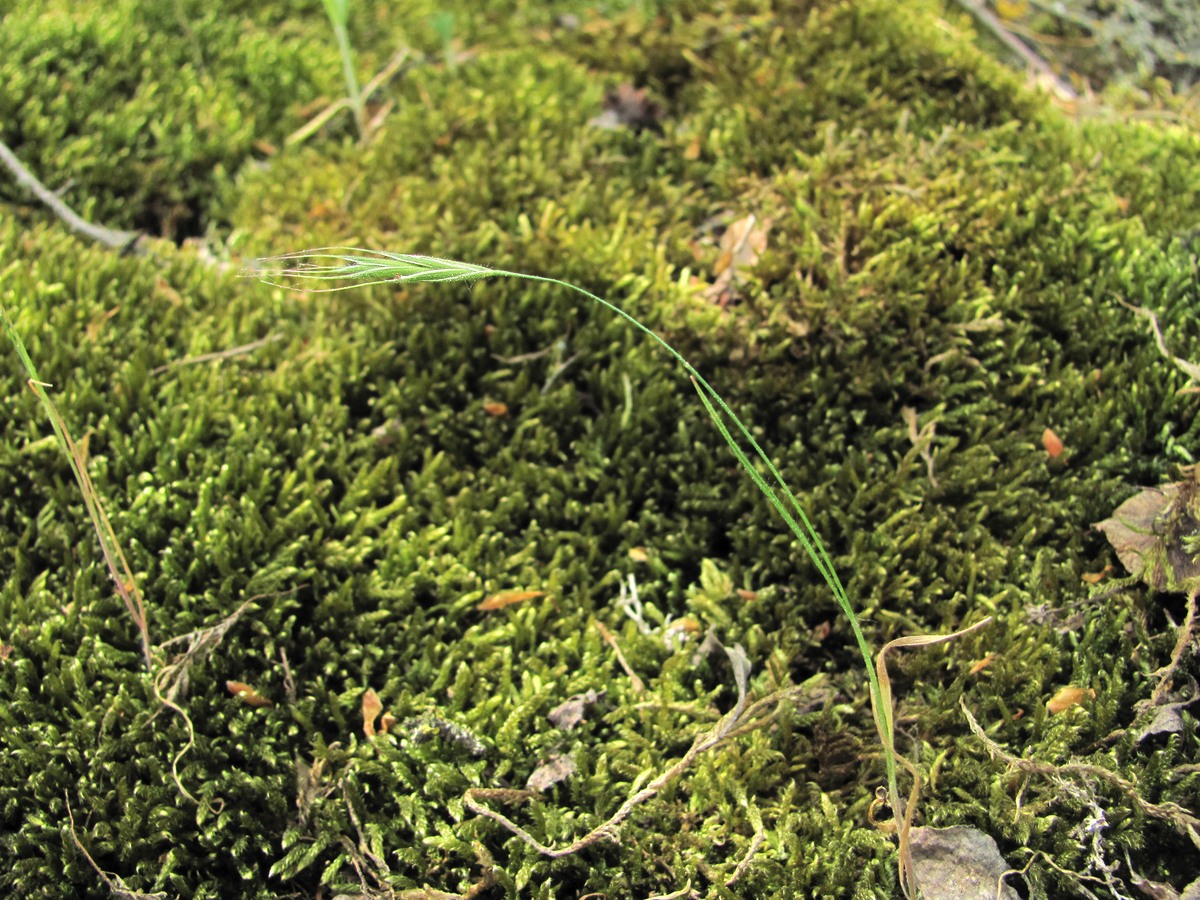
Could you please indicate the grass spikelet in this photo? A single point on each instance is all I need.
(357, 266)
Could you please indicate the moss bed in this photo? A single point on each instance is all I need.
(938, 239)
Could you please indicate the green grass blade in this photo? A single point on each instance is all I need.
(378, 266)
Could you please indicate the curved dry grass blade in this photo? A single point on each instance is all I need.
(904, 810)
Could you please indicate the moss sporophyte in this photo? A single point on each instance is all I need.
(342, 268)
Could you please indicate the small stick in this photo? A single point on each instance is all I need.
(219, 354)
(993, 24)
(125, 241)
(115, 884)
(611, 640)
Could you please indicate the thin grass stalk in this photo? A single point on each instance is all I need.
(340, 264)
(110, 547)
(339, 15)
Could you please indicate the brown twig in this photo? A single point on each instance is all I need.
(1182, 820)
(611, 640)
(219, 354)
(114, 883)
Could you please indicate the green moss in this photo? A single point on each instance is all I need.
(939, 239)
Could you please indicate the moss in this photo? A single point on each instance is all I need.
(142, 112)
(940, 239)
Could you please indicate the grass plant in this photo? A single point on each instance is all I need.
(76, 453)
(343, 268)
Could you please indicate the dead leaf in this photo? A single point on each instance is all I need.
(685, 625)
(959, 863)
(626, 106)
(372, 706)
(508, 598)
(982, 664)
(1150, 533)
(741, 246)
(639, 554)
(558, 769)
(1166, 720)
(570, 712)
(1067, 697)
(1053, 444)
(247, 694)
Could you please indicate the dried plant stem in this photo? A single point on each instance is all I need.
(114, 556)
(171, 681)
(219, 354)
(115, 884)
(1003, 34)
(739, 720)
(125, 241)
(1187, 636)
(903, 810)
(110, 547)
(611, 639)
(757, 840)
(386, 74)
(1183, 821)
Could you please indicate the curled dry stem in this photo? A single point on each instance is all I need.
(1179, 818)
(115, 884)
(904, 810)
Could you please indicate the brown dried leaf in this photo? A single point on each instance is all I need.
(1052, 443)
(959, 863)
(247, 694)
(1148, 533)
(508, 598)
(1067, 697)
(741, 246)
(570, 712)
(559, 768)
(371, 708)
(979, 665)
(495, 408)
